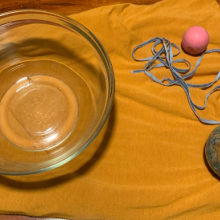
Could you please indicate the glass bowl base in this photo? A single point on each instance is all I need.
(38, 112)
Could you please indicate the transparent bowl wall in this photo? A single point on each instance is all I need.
(38, 44)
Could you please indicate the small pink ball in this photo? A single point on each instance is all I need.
(195, 40)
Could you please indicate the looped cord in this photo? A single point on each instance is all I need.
(166, 60)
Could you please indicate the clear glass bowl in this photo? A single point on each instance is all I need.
(56, 89)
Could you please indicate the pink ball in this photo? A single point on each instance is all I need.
(195, 40)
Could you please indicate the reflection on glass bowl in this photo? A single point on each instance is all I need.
(57, 89)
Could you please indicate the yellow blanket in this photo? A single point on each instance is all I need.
(148, 161)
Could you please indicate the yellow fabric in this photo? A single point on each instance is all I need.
(148, 161)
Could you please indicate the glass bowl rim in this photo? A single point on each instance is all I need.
(111, 81)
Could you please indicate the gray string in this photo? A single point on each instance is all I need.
(165, 56)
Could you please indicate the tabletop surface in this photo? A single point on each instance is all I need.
(65, 7)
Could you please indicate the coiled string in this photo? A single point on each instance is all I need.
(166, 60)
